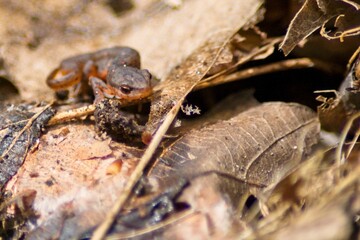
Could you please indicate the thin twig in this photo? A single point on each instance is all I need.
(71, 114)
(339, 154)
(352, 59)
(352, 3)
(339, 35)
(268, 68)
(352, 144)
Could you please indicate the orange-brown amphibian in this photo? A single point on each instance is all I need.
(112, 73)
(115, 78)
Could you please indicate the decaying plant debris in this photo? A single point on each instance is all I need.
(21, 126)
(212, 161)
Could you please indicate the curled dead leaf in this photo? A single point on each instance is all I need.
(313, 15)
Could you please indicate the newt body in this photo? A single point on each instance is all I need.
(117, 67)
(115, 78)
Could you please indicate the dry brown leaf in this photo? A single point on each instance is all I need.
(312, 15)
(257, 147)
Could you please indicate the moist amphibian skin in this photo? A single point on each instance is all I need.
(115, 78)
(118, 68)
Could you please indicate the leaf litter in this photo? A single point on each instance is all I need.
(88, 172)
(21, 126)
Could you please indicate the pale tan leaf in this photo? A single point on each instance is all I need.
(68, 171)
(164, 36)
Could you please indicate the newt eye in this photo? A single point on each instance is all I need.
(126, 89)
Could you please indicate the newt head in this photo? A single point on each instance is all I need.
(128, 83)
